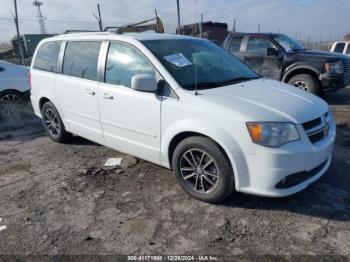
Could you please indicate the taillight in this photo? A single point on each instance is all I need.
(30, 81)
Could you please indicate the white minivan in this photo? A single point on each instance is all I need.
(186, 104)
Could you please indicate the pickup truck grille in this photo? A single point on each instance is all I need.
(346, 64)
(317, 129)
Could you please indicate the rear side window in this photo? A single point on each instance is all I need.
(235, 44)
(258, 45)
(80, 59)
(47, 57)
(339, 47)
(124, 62)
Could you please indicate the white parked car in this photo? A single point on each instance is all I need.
(186, 104)
(342, 47)
(14, 88)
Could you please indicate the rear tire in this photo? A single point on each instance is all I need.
(202, 169)
(12, 104)
(305, 82)
(53, 123)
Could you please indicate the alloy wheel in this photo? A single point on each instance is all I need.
(11, 105)
(51, 122)
(301, 85)
(199, 171)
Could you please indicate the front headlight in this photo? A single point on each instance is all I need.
(335, 68)
(272, 134)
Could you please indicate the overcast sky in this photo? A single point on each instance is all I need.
(329, 19)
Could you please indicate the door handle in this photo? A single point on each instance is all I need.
(107, 96)
(90, 92)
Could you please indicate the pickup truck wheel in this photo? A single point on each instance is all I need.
(53, 123)
(12, 104)
(202, 169)
(305, 82)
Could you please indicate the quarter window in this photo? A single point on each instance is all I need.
(339, 48)
(47, 57)
(258, 45)
(124, 62)
(80, 59)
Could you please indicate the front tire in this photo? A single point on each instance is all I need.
(202, 169)
(53, 123)
(305, 82)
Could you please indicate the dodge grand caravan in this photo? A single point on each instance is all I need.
(185, 104)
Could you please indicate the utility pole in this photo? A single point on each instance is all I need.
(178, 13)
(19, 41)
(320, 43)
(259, 28)
(234, 26)
(40, 16)
(201, 27)
(329, 44)
(99, 18)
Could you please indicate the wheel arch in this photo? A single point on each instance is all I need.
(45, 99)
(38, 102)
(13, 91)
(220, 137)
(180, 137)
(302, 69)
(42, 101)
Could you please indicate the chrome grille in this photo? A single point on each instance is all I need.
(346, 64)
(317, 129)
(311, 124)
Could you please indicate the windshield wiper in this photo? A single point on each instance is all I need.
(238, 80)
(204, 85)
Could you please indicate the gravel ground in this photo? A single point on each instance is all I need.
(57, 199)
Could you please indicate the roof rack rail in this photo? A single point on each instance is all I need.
(80, 31)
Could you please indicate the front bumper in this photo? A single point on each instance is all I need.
(262, 172)
(334, 82)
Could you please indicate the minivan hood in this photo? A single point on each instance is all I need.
(267, 100)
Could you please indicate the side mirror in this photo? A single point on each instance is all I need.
(271, 51)
(144, 83)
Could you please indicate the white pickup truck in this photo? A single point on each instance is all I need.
(342, 47)
(14, 89)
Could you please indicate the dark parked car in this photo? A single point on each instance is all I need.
(279, 57)
(14, 89)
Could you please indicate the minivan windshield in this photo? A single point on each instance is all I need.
(197, 63)
(288, 43)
